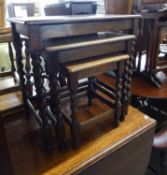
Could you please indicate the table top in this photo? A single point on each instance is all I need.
(135, 123)
(69, 19)
(143, 87)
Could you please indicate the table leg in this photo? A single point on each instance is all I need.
(73, 84)
(42, 102)
(118, 94)
(90, 86)
(127, 78)
(55, 104)
(56, 108)
(20, 67)
(28, 69)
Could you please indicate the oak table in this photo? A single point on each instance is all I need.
(149, 98)
(40, 29)
(105, 151)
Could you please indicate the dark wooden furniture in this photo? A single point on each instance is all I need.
(102, 149)
(71, 8)
(150, 99)
(89, 65)
(154, 25)
(27, 9)
(102, 152)
(40, 31)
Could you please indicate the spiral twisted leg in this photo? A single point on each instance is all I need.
(118, 93)
(28, 69)
(42, 102)
(129, 65)
(73, 84)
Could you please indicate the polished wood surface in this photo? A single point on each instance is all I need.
(94, 63)
(101, 146)
(143, 87)
(29, 159)
(24, 143)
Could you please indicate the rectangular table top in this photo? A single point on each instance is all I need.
(69, 19)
